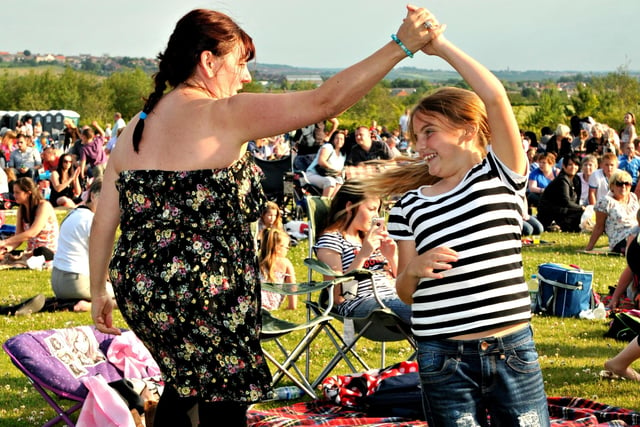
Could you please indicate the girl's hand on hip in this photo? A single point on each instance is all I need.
(431, 263)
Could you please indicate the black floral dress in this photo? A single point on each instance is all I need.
(185, 275)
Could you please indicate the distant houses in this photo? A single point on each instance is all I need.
(403, 91)
(306, 78)
(45, 58)
(85, 61)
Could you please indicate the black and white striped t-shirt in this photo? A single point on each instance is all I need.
(376, 263)
(481, 219)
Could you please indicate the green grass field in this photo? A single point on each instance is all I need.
(572, 351)
(21, 71)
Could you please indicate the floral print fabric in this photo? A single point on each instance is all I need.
(621, 217)
(47, 237)
(185, 275)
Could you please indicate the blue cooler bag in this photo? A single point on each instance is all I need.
(565, 290)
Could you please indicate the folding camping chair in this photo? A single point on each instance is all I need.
(381, 325)
(278, 183)
(56, 361)
(274, 328)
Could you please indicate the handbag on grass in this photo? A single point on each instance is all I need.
(327, 171)
(624, 326)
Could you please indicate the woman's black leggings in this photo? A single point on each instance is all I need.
(172, 411)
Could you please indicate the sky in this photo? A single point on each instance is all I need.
(518, 35)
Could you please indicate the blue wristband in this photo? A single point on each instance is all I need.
(397, 40)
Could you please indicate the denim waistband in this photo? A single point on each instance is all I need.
(482, 345)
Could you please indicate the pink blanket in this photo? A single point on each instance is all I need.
(129, 355)
(103, 406)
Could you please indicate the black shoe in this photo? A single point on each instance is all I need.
(32, 305)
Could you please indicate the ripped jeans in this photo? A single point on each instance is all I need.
(464, 382)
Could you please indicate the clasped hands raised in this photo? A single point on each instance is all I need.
(419, 29)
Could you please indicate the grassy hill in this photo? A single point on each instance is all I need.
(55, 69)
(412, 73)
(432, 75)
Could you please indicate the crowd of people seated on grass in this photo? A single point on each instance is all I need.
(38, 174)
(560, 190)
(580, 159)
(583, 154)
(62, 169)
(64, 249)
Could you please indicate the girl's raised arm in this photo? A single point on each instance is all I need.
(505, 135)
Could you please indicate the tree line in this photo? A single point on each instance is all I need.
(94, 97)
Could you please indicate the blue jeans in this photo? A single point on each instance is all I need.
(532, 226)
(395, 304)
(464, 381)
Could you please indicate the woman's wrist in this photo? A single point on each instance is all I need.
(402, 46)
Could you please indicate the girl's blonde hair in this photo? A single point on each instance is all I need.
(589, 158)
(270, 239)
(398, 177)
(461, 108)
(277, 223)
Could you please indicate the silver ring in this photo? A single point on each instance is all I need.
(428, 25)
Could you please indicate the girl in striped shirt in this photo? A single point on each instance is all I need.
(458, 228)
(357, 238)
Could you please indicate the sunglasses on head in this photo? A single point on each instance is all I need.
(623, 183)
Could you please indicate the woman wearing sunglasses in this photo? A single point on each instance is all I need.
(616, 213)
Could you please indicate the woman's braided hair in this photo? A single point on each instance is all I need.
(198, 31)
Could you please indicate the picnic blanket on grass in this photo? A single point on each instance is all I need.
(321, 412)
(564, 411)
(600, 251)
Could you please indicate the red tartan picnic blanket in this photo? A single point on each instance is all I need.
(319, 412)
(564, 411)
(574, 411)
(344, 405)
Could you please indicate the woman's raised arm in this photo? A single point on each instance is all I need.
(272, 114)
